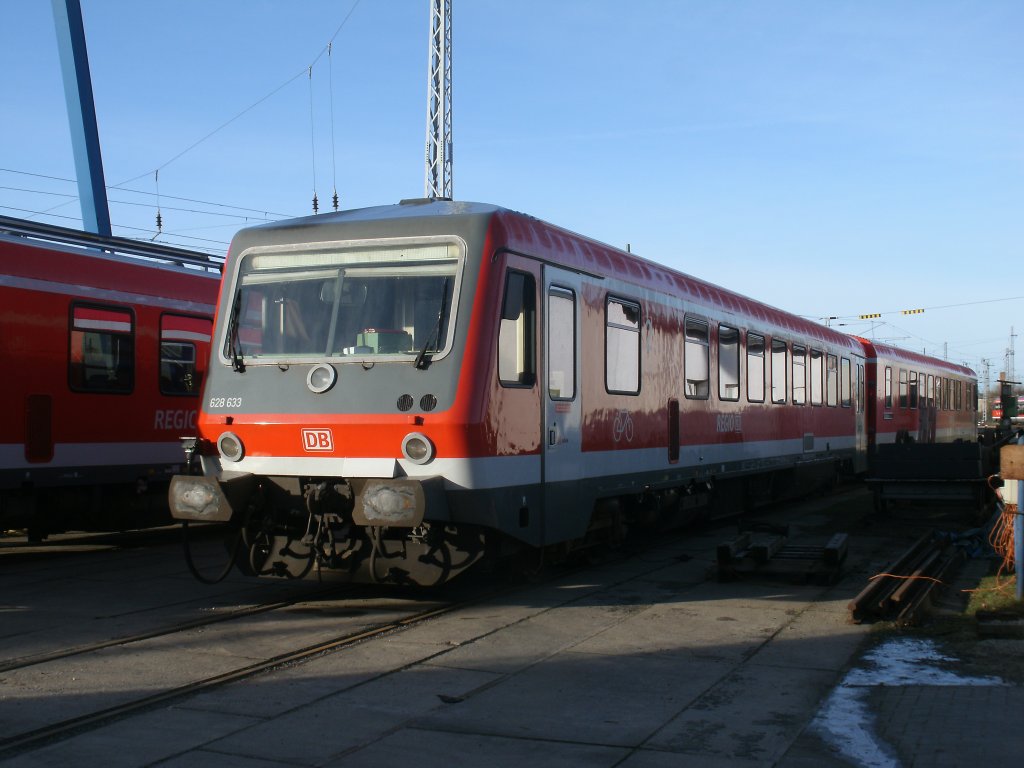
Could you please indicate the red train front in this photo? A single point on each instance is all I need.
(395, 391)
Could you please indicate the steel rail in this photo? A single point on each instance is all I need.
(70, 727)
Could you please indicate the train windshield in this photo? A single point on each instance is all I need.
(371, 301)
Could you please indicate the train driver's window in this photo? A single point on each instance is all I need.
(696, 359)
(561, 344)
(779, 366)
(888, 387)
(102, 349)
(799, 374)
(728, 363)
(622, 347)
(517, 366)
(831, 380)
(184, 344)
(755, 368)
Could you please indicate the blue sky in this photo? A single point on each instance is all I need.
(829, 157)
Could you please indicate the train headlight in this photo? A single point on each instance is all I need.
(321, 378)
(230, 447)
(417, 448)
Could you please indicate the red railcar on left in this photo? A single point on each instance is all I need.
(105, 341)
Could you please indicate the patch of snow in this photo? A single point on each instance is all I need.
(844, 719)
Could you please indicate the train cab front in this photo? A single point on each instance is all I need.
(328, 422)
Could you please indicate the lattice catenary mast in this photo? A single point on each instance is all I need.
(439, 101)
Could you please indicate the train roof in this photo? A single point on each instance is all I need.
(882, 351)
(519, 231)
(52, 237)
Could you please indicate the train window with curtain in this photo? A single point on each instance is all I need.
(561, 344)
(184, 345)
(622, 347)
(517, 355)
(931, 390)
(696, 362)
(845, 397)
(779, 365)
(799, 374)
(728, 363)
(904, 396)
(755, 368)
(888, 387)
(102, 349)
(832, 380)
(817, 371)
(937, 401)
(913, 389)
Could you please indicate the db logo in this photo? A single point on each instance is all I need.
(317, 440)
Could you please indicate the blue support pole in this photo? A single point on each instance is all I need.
(85, 139)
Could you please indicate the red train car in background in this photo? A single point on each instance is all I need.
(106, 342)
(915, 398)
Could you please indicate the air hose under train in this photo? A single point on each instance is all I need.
(233, 549)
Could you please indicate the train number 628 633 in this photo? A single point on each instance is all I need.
(225, 402)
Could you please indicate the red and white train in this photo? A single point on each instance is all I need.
(396, 389)
(107, 341)
(916, 398)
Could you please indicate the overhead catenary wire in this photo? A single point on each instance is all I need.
(312, 138)
(159, 216)
(252, 106)
(251, 213)
(330, 90)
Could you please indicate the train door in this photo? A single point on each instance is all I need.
(563, 458)
(860, 417)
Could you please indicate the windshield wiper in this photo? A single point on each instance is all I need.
(422, 361)
(234, 342)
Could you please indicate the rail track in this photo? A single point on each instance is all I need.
(20, 742)
(303, 626)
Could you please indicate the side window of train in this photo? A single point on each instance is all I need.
(622, 347)
(913, 389)
(696, 361)
(780, 364)
(799, 374)
(888, 387)
(860, 388)
(816, 369)
(517, 355)
(904, 397)
(831, 380)
(755, 368)
(101, 349)
(728, 363)
(184, 346)
(561, 344)
(845, 395)
(931, 390)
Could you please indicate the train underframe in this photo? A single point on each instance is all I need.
(297, 528)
